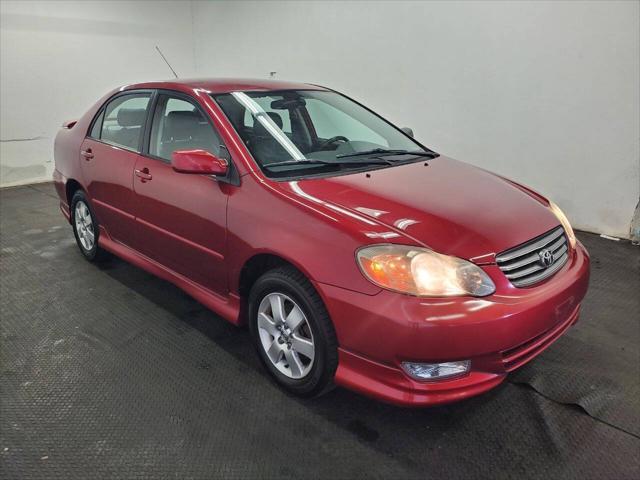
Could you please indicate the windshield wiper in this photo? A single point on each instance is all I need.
(307, 161)
(383, 151)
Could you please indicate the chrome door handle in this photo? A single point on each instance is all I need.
(87, 154)
(143, 174)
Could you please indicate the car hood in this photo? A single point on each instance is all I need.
(449, 206)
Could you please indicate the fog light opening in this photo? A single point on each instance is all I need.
(436, 371)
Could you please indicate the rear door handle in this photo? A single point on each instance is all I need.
(87, 154)
(143, 174)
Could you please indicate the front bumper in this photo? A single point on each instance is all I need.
(497, 333)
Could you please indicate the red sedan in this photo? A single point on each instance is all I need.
(356, 255)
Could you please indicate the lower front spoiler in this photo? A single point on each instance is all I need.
(390, 384)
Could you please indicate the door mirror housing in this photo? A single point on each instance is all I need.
(199, 162)
(408, 131)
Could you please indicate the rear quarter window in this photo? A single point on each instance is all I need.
(97, 126)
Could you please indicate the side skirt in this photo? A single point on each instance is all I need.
(228, 308)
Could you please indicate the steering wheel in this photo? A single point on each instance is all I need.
(331, 140)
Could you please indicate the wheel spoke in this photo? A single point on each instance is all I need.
(267, 324)
(284, 338)
(302, 346)
(274, 351)
(294, 363)
(295, 318)
(277, 307)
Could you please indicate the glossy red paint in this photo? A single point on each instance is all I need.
(181, 223)
(198, 162)
(200, 233)
(105, 172)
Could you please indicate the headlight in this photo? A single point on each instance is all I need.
(564, 221)
(422, 272)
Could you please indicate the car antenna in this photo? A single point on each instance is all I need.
(166, 61)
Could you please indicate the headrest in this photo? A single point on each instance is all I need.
(131, 117)
(182, 124)
(260, 130)
(277, 119)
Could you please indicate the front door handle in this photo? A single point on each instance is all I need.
(143, 174)
(87, 154)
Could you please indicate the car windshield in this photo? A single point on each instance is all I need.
(310, 132)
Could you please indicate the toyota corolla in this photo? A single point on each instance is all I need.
(355, 254)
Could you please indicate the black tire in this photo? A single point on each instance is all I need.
(95, 253)
(294, 284)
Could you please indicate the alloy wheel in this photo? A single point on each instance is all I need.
(285, 335)
(84, 225)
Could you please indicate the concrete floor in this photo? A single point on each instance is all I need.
(109, 372)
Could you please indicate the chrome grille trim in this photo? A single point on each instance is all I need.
(521, 264)
(530, 247)
(532, 257)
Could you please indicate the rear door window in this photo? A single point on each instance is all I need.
(122, 121)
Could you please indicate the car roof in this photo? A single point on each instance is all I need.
(225, 85)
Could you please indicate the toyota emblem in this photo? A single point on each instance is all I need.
(546, 257)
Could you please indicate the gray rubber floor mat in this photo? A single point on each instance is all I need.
(596, 364)
(108, 372)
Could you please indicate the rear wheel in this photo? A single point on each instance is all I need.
(292, 332)
(85, 227)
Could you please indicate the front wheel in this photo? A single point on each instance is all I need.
(292, 332)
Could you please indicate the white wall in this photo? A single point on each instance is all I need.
(546, 93)
(58, 58)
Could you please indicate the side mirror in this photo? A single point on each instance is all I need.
(199, 162)
(408, 131)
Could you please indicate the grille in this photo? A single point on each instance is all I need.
(525, 264)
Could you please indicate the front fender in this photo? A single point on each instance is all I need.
(320, 243)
